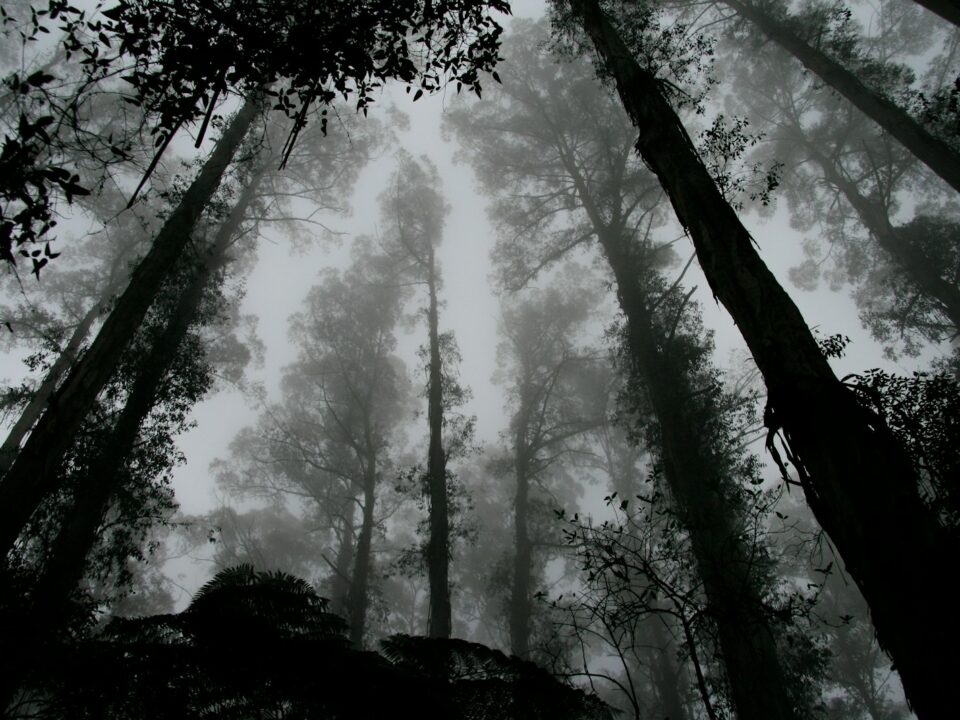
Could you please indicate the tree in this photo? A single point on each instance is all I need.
(125, 445)
(562, 145)
(332, 438)
(838, 72)
(158, 364)
(843, 175)
(858, 479)
(161, 38)
(539, 359)
(179, 67)
(33, 475)
(415, 210)
(80, 296)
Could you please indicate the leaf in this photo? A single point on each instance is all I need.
(418, 95)
(40, 78)
(115, 13)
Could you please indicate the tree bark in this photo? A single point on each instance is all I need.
(727, 568)
(66, 562)
(875, 219)
(342, 570)
(33, 410)
(360, 580)
(857, 477)
(34, 473)
(947, 9)
(438, 547)
(931, 151)
(520, 601)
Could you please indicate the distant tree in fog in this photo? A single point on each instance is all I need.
(542, 365)
(414, 211)
(823, 38)
(331, 441)
(848, 182)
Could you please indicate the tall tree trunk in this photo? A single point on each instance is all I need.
(931, 151)
(115, 279)
(520, 601)
(694, 477)
(921, 273)
(438, 550)
(360, 580)
(727, 568)
(949, 10)
(34, 408)
(343, 565)
(66, 562)
(857, 477)
(34, 473)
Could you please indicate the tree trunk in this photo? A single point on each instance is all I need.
(520, 601)
(66, 563)
(728, 569)
(115, 279)
(947, 9)
(34, 473)
(438, 551)
(342, 569)
(875, 219)
(360, 580)
(857, 477)
(931, 151)
(33, 410)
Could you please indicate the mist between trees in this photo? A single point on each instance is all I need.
(585, 511)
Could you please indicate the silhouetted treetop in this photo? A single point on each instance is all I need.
(254, 643)
(188, 54)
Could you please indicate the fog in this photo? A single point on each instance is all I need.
(364, 359)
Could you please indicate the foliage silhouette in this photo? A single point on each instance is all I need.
(262, 644)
